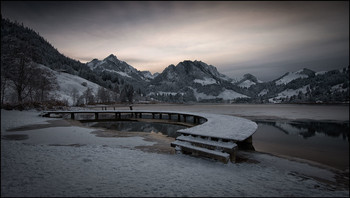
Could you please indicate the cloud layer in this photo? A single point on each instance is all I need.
(266, 39)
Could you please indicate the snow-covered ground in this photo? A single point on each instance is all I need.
(70, 161)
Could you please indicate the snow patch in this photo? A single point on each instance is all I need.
(263, 92)
(289, 93)
(339, 88)
(290, 77)
(225, 95)
(206, 81)
(246, 84)
(320, 73)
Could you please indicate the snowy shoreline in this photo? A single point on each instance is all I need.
(98, 166)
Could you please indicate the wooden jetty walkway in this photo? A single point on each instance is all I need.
(211, 135)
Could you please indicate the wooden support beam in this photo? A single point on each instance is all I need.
(194, 119)
(184, 118)
(96, 116)
(178, 118)
(160, 116)
(169, 116)
(71, 116)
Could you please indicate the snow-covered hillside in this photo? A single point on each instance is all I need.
(68, 82)
(289, 76)
(288, 93)
(246, 84)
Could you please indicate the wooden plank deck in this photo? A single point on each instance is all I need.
(212, 135)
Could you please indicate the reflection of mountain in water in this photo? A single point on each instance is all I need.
(309, 129)
(130, 126)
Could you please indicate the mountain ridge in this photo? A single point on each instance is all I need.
(188, 81)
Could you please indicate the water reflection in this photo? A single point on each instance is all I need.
(323, 142)
(136, 126)
(308, 129)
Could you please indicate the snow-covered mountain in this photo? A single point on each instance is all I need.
(113, 65)
(196, 80)
(308, 86)
(247, 81)
(188, 81)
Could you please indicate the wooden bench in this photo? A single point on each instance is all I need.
(188, 147)
(210, 147)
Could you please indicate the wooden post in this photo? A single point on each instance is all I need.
(140, 115)
(160, 116)
(96, 116)
(233, 154)
(184, 118)
(71, 116)
(178, 118)
(169, 115)
(152, 115)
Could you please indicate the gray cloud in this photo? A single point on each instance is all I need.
(264, 38)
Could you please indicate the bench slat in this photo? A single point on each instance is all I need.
(226, 145)
(188, 145)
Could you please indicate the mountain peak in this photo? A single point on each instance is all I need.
(111, 57)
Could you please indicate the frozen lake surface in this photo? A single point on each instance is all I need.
(72, 161)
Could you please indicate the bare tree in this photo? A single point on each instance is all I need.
(4, 84)
(21, 71)
(89, 96)
(127, 93)
(103, 95)
(43, 84)
(75, 95)
(115, 93)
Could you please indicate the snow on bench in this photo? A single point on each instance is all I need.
(190, 138)
(188, 147)
(223, 126)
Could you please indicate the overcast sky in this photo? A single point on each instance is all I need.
(266, 39)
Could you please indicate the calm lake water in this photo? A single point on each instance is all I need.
(135, 126)
(323, 142)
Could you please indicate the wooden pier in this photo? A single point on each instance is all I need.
(210, 135)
